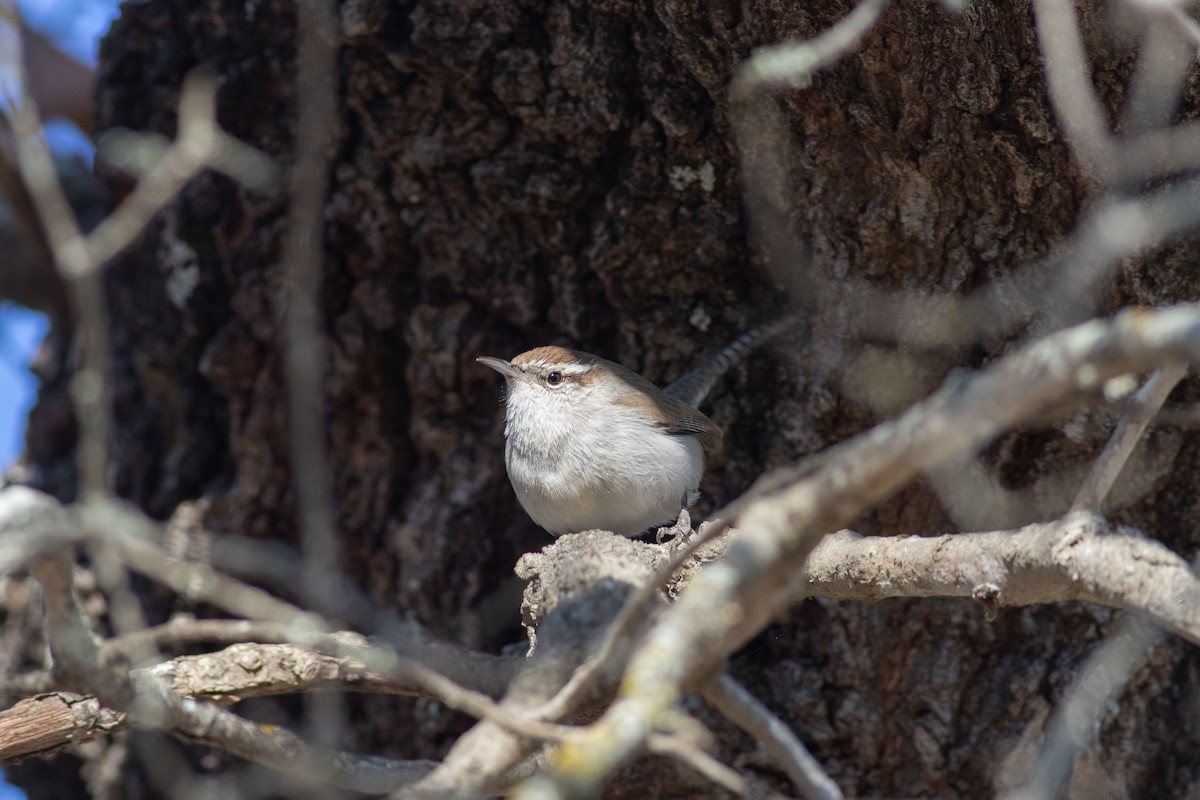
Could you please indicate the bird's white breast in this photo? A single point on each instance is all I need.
(613, 471)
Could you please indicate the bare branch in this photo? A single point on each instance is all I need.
(200, 144)
(577, 586)
(618, 633)
(1187, 27)
(1146, 403)
(33, 525)
(743, 709)
(1164, 57)
(1099, 680)
(79, 258)
(69, 250)
(128, 535)
(1079, 558)
(303, 256)
(274, 747)
(688, 753)
(71, 642)
(131, 535)
(1084, 123)
(782, 517)
(184, 631)
(44, 724)
(202, 582)
(793, 64)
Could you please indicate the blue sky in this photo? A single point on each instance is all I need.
(21, 331)
(75, 25)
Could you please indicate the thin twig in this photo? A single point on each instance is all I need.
(304, 350)
(1073, 725)
(793, 64)
(304, 259)
(72, 644)
(744, 710)
(1083, 120)
(1108, 466)
(1164, 59)
(1187, 27)
(79, 258)
(129, 535)
(200, 144)
(201, 582)
(273, 746)
(220, 631)
(248, 670)
(687, 752)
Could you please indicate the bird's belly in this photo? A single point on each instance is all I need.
(625, 500)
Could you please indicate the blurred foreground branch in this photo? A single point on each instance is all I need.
(782, 518)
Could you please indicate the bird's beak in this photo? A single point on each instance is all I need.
(503, 367)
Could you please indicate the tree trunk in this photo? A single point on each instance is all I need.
(507, 175)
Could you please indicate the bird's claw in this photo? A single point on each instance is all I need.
(681, 531)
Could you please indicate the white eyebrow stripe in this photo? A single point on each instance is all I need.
(571, 370)
(575, 369)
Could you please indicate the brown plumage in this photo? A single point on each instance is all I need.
(674, 415)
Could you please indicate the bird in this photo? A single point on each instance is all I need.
(590, 444)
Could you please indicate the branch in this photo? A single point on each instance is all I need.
(1080, 558)
(79, 258)
(199, 145)
(205, 723)
(304, 259)
(689, 753)
(576, 587)
(42, 724)
(28, 516)
(33, 525)
(783, 516)
(39, 725)
(1146, 403)
(1072, 96)
(740, 707)
(250, 669)
(792, 64)
(1073, 725)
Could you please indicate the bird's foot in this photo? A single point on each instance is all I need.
(681, 531)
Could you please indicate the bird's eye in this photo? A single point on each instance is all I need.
(554, 378)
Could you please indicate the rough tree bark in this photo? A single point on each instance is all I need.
(511, 174)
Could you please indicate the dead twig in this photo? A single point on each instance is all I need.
(1083, 120)
(1073, 725)
(744, 710)
(1146, 403)
(688, 753)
